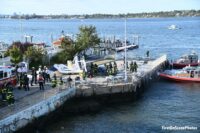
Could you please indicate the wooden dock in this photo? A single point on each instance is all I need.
(39, 104)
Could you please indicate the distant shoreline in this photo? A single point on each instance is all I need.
(162, 14)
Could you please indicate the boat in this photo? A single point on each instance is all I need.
(186, 60)
(173, 27)
(187, 74)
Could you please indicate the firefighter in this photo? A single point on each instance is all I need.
(115, 70)
(84, 75)
(61, 80)
(54, 81)
(131, 66)
(69, 80)
(26, 83)
(95, 69)
(10, 98)
(3, 92)
(54, 76)
(110, 68)
(21, 80)
(135, 66)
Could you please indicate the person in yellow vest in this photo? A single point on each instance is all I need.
(10, 98)
(3, 92)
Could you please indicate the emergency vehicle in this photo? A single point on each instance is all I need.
(7, 77)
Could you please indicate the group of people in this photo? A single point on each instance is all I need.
(111, 69)
(133, 66)
(23, 81)
(41, 76)
(37, 76)
(93, 70)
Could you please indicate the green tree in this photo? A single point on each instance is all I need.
(87, 37)
(34, 56)
(15, 55)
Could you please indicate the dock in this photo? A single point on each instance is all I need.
(38, 104)
(116, 84)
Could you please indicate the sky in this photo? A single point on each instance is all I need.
(46, 7)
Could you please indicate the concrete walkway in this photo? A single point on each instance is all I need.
(24, 99)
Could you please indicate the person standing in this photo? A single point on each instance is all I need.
(3, 92)
(44, 75)
(61, 80)
(33, 75)
(54, 77)
(69, 80)
(10, 98)
(21, 80)
(147, 53)
(41, 82)
(110, 67)
(26, 83)
(135, 67)
(131, 66)
(48, 77)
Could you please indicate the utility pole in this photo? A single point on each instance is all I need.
(125, 78)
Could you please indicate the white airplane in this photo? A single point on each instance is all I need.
(76, 67)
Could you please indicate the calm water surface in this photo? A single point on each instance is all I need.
(164, 103)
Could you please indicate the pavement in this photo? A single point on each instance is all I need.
(25, 99)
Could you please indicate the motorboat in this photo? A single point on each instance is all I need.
(187, 74)
(186, 60)
(173, 27)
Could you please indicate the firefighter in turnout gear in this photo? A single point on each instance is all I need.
(3, 92)
(10, 98)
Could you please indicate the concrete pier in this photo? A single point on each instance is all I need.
(13, 118)
(116, 84)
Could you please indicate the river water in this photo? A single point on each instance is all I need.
(163, 104)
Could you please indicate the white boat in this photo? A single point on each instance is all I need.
(173, 27)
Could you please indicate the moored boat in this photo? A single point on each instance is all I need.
(187, 74)
(186, 60)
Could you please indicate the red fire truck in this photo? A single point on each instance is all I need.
(7, 77)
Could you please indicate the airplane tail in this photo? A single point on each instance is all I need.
(79, 65)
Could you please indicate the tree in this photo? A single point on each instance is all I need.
(87, 37)
(34, 56)
(22, 46)
(15, 55)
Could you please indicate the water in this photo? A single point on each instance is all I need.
(164, 103)
(154, 34)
